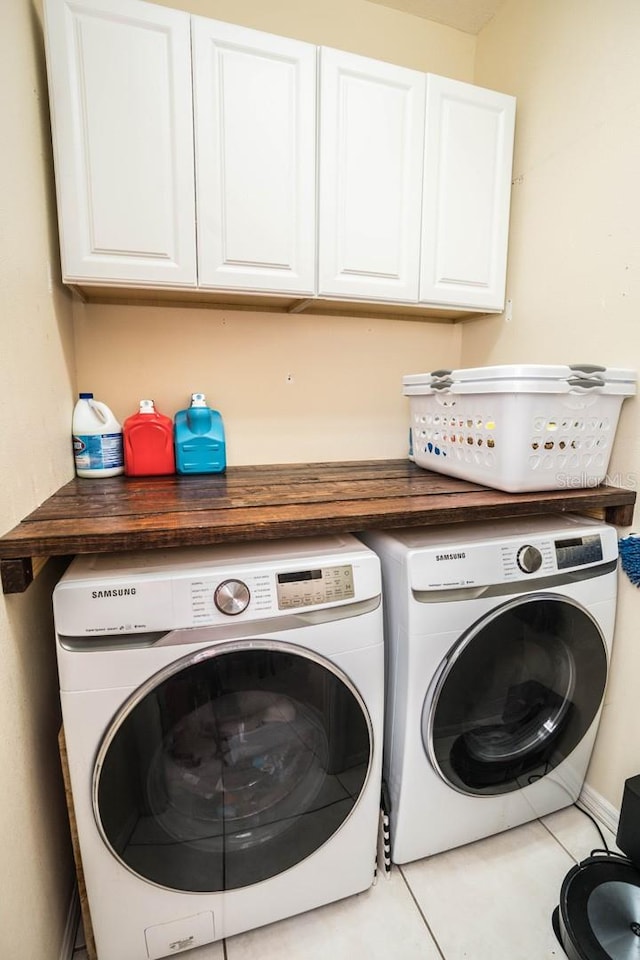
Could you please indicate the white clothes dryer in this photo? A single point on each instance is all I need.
(499, 637)
(223, 714)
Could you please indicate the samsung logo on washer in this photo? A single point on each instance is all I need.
(451, 556)
(116, 592)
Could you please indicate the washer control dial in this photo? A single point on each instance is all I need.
(232, 597)
(529, 559)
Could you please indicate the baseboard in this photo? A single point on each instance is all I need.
(71, 928)
(599, 808)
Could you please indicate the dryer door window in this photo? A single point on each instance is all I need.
(516, 695)
(231, 766)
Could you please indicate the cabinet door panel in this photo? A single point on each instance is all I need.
(120, 80)
(467, 189)
(371, 141)
(255, 110)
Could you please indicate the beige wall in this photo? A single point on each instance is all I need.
(289, 387)
(574, 262)
(355, 25)
(36, 378)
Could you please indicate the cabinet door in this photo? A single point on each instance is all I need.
(121, 110)
(255, 135)
(467, 189)
(371, 142)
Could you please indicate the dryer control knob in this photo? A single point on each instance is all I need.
(529, 559)
(232, 597)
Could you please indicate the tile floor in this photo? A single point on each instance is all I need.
(489, 900)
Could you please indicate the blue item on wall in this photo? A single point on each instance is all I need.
(629, 548)
(199, 438)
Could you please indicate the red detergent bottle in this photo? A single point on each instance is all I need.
(148, 442)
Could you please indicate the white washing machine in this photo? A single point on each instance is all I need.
(499, 637)
(223, 713)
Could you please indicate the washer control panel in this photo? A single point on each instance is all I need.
(226, 587)
(307, 588)
(232, 597)
(263, 593)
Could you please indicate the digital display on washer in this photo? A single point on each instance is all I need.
(575, 551)
(298, 577)
(306, 588)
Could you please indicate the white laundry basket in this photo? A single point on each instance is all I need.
(518, 428)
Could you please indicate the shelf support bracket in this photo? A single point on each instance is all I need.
(619, 516)
(299, 307)
(17, 574)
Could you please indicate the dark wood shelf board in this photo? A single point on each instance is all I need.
(269, 502)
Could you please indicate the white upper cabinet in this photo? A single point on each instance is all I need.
(371, 149)
(255, 142)
(120, 84)
(467, 189)
(192, 153)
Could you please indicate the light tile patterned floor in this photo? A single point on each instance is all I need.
(490, 900)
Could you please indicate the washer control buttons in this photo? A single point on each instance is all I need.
(529, 559)
(232, 597)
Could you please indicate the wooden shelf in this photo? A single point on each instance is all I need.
(267, 502)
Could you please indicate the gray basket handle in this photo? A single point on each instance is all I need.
(441, 373)
(442, 384)
(587, 383)
(587, 368)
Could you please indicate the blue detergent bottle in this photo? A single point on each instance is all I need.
(199, 438)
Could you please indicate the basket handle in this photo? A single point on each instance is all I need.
(585, 383)
(441, 373)
(442, 384)
(587, 368)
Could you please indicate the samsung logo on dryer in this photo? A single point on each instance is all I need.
(451, 556)
(115, 592)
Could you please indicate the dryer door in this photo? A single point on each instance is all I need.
(231, 765)
(515, 695)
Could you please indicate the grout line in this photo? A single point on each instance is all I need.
(559, 842)
(421, 912)
(595, 828)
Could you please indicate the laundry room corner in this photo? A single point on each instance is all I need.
(573, 279)
(36, 388)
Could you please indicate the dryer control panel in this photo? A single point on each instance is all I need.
(530, 556)
(577, 551)
(547, 555)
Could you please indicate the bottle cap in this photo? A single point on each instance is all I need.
(147, 406)
(85, 396)
(198, 400)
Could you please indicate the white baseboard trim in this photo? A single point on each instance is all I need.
(71, 928)
(599, 808)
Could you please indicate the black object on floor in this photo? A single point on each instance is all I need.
(598, 917)
(628, 836)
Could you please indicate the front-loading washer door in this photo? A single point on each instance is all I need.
(231, 765)
(515, 695)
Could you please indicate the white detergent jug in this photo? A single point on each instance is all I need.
(97, 439)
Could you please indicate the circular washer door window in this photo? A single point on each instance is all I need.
(231, 765)
(516, 695)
